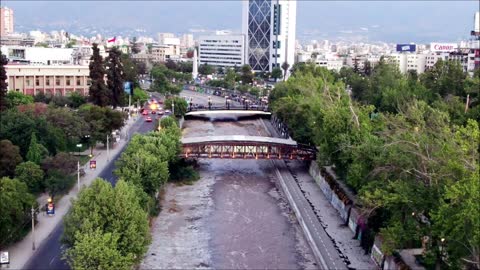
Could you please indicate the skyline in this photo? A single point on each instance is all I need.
(360, 21)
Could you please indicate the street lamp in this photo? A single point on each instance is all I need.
(173, 109)
(88, 145)
(79, 146)
(209, 103)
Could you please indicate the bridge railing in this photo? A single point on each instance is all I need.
(192, 108)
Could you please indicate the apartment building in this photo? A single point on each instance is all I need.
(222, 50)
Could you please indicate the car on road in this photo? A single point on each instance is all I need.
(148, 119)
(154, 112)
(145, 112)
(167, 112)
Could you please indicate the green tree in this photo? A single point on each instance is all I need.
(97, 250)
(76, 99)
(115, 77)
(14, 98)
(30, 174)
(139, 95)
(230, 77)
(99, 94)
(18, 126)
(34, 153)
(180, 105)
(3, 82)
(15, 205)
(445, 78)
(130, 69)
(107, 210)
(135, 47)
(285, 67)
(206, 69)
(246, 74)
(276, 73)
(57, 182)
(9, 158)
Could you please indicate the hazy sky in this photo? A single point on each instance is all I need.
(391, 21)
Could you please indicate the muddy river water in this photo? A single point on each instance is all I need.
(234, 217)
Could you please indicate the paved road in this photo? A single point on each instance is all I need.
(330, 258)
(49, 253)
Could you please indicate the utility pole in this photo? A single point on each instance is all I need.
(33, 228)
(78, 174)
(129, 105)
(108, 149)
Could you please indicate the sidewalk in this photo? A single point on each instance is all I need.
(21, 251)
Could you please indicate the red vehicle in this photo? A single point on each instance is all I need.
(145, 112)
(154, 112)
(149, 119)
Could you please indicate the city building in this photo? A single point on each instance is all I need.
(159, 53)
(54, 80)
(6, 21)
(222, 50)
(187, 41)
(163, 36)
(16, 40)
(39, 55)
(269, 28)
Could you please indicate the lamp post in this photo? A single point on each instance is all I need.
(78, 174)
(79, 146)
(173, 108)
(209, 103)
(108, 148)
(88, 145)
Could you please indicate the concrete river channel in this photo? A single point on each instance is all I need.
(234, 217)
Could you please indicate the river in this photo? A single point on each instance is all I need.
(234, 217)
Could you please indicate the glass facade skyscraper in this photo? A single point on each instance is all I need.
(259, 19)
(269, 29)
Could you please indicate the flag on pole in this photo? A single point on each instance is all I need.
(112, 39)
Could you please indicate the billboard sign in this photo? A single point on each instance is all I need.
(443, 47)
(406, 47)
(127, 87)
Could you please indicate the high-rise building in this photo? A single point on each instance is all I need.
(187, 41)
(221, 50)
(269, 28)
(6, 21)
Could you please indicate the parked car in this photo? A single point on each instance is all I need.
(149, 119)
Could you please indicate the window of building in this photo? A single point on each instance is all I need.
(47, 82)
(78, 82)
(68, 81)
(57, 82)
(27, 82)
(37, 82)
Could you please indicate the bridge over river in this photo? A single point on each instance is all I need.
(245, 147)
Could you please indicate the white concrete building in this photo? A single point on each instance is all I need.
(269, 28)
(222, 50)
(39, 55)
(187, 41)
(409, 61)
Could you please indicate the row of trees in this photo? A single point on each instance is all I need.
(36, 141)
(167, 81)
(406, 144)
(107, 228)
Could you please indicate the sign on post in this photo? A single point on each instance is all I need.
(50, 209)
(93, 164)
(4, 257)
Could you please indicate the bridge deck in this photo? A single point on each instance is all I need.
(238, 138)
(236, 112)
